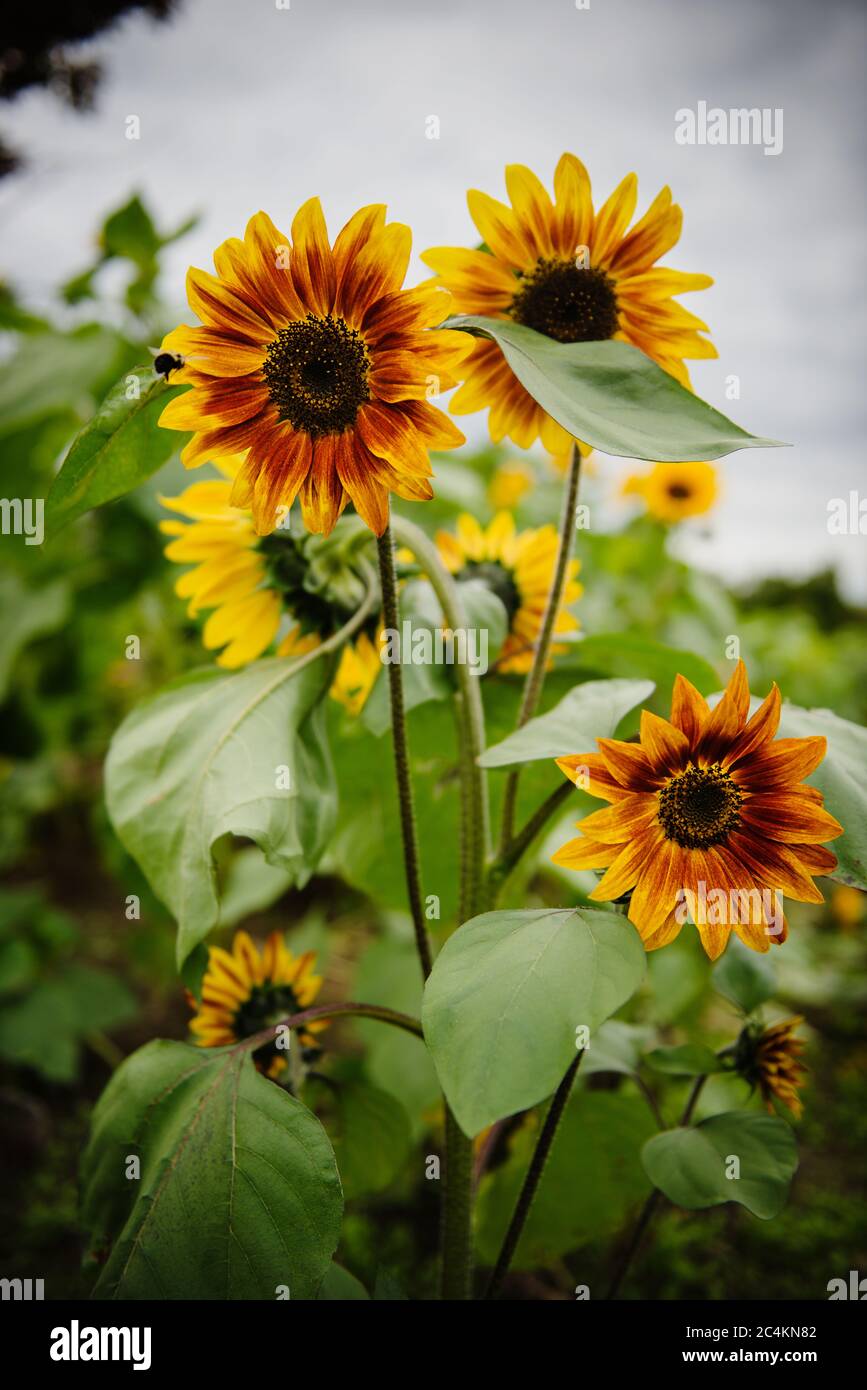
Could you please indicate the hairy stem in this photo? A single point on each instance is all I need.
(457, 1245)
(536, 675)
(533, 1178)
(338, 1010)
(409, 833)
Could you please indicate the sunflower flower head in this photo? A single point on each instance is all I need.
(246, 990)
(574, 274)
(509, 483)
(312, 361)
(708, 818)
(266, 592)
(674, 491)
(770, 1058)
(518, 567)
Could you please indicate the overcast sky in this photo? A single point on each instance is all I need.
(243, 105)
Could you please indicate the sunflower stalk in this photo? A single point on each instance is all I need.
(533, 1177)
(536, 675)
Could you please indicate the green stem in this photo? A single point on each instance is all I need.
(515, 849)
(533, 1178)
(457, 1242)
(345, 1007)
(536, 675)
(409, 833)
(470, 713)
(648, 1211)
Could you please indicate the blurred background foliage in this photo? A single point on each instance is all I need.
(87, 952)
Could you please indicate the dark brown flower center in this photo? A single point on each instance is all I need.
(699, 807)
(495, 577)
(679, 491)
(566, 302)
(316, 370)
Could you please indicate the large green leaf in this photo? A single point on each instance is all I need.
(690, 1165)
(590, 711)
(373, 1136)
(508, 992)
(238, 1192)
(118, 449)
(613, 396)
(592, 1179)
(203, 759)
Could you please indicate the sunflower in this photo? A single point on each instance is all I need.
(509, 483)
(770, 1058)
(254, 583)
(572, 274)
(314, 362)
(673, 491)
(708, 817)
(519, 569)
(244, 991)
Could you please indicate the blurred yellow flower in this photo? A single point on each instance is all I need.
(518, 568)
(253, 583)
(245, 991)
(673, 491)
(509, 484)
(770, 1059)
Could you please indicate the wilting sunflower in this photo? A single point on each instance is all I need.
(314, 362)
(519, 569)
(256, 585)
(244, 991)
(709, 817)
(573, 274)
(674, 491)
(770, 1058)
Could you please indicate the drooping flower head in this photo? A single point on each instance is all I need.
(573, 274)
(708, 818)
(674, 491)
(770, 1058)
(259, 588)
(519, 569)
(315, 363)
(245, 991)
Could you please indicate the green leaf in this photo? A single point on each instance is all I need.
(118, 449)
(590, 711)
(591, 1181)
(339, 1286)
(613, 396)
(238, 1192)
(689, 1165)
(508, 992)
(52, 371)
(373, 1138)
(251, 885)
(389, 973)
(28, 613)
(745, 977)
(207, 758)
(689, 1059)
(130, 233)
(45, 1028)
(617, 1047)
